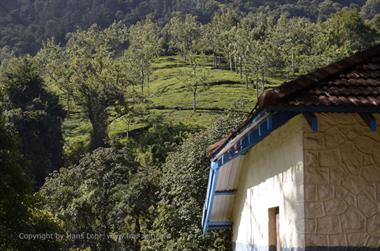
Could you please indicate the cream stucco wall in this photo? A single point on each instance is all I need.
(342, 183)
(272, 176)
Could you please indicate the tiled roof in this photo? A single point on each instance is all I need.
(354, 81)
(349, 84)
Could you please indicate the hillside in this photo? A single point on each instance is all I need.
(25, 24)
(169, 99)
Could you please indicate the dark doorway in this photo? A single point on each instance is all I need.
(274, 229)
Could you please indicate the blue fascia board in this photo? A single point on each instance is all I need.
(256, 135)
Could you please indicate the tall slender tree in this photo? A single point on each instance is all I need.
(224, 23)
(195, 80)
(184, 32)
(144, 46)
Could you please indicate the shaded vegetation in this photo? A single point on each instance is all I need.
(25, 24)
(36, 116)
(19, 213)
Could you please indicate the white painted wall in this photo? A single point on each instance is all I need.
(272, 176)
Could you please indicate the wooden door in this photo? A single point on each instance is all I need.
(278, 243)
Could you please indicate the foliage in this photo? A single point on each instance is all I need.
(184, 32)
(144, 46)
(35, 115)
(109, 193)
(161, 137)
(374, 24)
(182, 189)
(5, 55)
(346, 30)
(25, 24)
(222, 36)
(134, 208)
(18, 214)
(195, 80)
(370, 9)
(87, 71)
(14, 189)
(85, 196)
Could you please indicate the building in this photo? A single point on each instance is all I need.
(303, 171)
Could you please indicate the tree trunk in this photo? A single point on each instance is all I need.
(99, 122)
(234, 63)
(253, 75)
(230, 60)
(105, 244)
(142, 83)
(246, 75)
(257, 89)
(68, 103)
(147, 83)
(194, 101)
(241, 67)
(293, 64)
(263, 81)
(138, 232)
(128, 129)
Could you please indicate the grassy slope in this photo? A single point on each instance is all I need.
(166, 91)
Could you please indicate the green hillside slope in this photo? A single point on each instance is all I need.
(169, 98)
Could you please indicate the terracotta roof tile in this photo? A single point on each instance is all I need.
(354, 81)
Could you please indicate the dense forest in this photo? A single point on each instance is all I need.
(88, 158)
(24, 24)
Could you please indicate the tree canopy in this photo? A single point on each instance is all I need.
(25, 24)
(36, 116)
(87, 71)
(19, 213)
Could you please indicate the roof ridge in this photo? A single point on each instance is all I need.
(273, 96)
